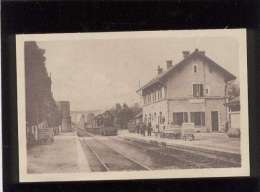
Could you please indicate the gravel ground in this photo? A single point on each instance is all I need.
(58, 157)
(93, 162)
(158, 159)
(187, 157)
(171, 158)
(112, 159)
(149, 159)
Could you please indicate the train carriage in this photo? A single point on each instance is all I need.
(108, 127)
(102, 124)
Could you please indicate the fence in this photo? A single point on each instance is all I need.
(40, 133)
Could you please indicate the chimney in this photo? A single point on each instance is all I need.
(168, 63)
(185, 54)
(200, 52)
(159, 70)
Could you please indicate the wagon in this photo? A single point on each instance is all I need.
(171, 133)
(108, 130)
(131, 127)
(45, 135)
(188, 131)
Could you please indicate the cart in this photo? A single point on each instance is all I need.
(171, 133)
(188, 131)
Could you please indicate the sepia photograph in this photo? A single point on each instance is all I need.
(132, 105)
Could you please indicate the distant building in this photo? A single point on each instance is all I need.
(64, 108)
(193, 90)
(90, 120)
(82, 122)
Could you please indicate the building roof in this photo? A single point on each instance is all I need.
(196, 54)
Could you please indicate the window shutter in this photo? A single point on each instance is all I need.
(192, 117)
(194, 90)
(203, 118)
(200, 90)
(185, 117)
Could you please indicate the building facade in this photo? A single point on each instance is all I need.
(64, 108)
(191, 91)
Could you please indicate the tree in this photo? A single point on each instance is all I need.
(126, 115)
(135, 109)
(233, 89)
(123, 114)
(40, 104)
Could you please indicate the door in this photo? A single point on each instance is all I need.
(214, 120)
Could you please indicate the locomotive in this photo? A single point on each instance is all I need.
(102, 124)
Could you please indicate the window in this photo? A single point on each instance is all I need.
(149, 98)
(206, 90)
(159, 94)
(197, 90)
(161, 118)
(198, 118)
(164, 92)
(179, 118)
(195, 68)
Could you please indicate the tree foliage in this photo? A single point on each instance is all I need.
(233, 89)
(123, 114)
(40, 104)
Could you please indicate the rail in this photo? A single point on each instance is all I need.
(126, 157)
(120, 153)
(97, 156)
(190, 151)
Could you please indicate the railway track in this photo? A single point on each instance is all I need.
(172, 157)
(186, 157)
(111, 159)
(162, 159)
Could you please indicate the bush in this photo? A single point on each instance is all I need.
(234, 132)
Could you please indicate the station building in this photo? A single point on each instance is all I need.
(191, 91)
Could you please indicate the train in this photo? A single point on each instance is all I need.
(101, 124)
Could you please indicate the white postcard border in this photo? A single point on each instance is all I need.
(244, 170)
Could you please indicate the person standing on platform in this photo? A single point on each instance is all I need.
(149, 129)
(138, 127)
(143, 129)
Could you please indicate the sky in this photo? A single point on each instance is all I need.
(95, 74)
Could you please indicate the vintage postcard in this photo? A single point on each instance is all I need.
(132, 105)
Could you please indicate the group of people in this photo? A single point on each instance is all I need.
(142, 128)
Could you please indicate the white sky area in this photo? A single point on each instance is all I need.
(97, 74)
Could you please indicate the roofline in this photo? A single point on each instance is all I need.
(157, 79)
